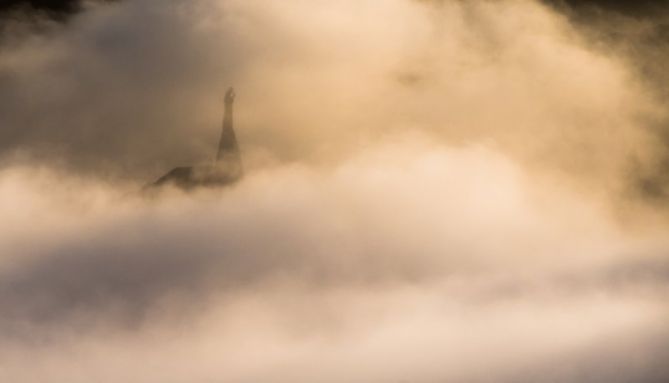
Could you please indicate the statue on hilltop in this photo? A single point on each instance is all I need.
(227, 167)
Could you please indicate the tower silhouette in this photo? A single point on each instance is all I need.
(228, 150)
(227, 167)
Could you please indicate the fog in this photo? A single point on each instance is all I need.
(434, 191)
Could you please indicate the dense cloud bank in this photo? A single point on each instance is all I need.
(435, 191)
(414, 262)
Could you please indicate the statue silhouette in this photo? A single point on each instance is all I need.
(227, 168)
(228, 150)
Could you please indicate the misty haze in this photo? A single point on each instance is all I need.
(393, 191)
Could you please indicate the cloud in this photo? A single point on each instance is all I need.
(435, 191)
(134, 89)
(401, 251)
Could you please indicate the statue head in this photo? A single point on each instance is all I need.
(230, 96)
